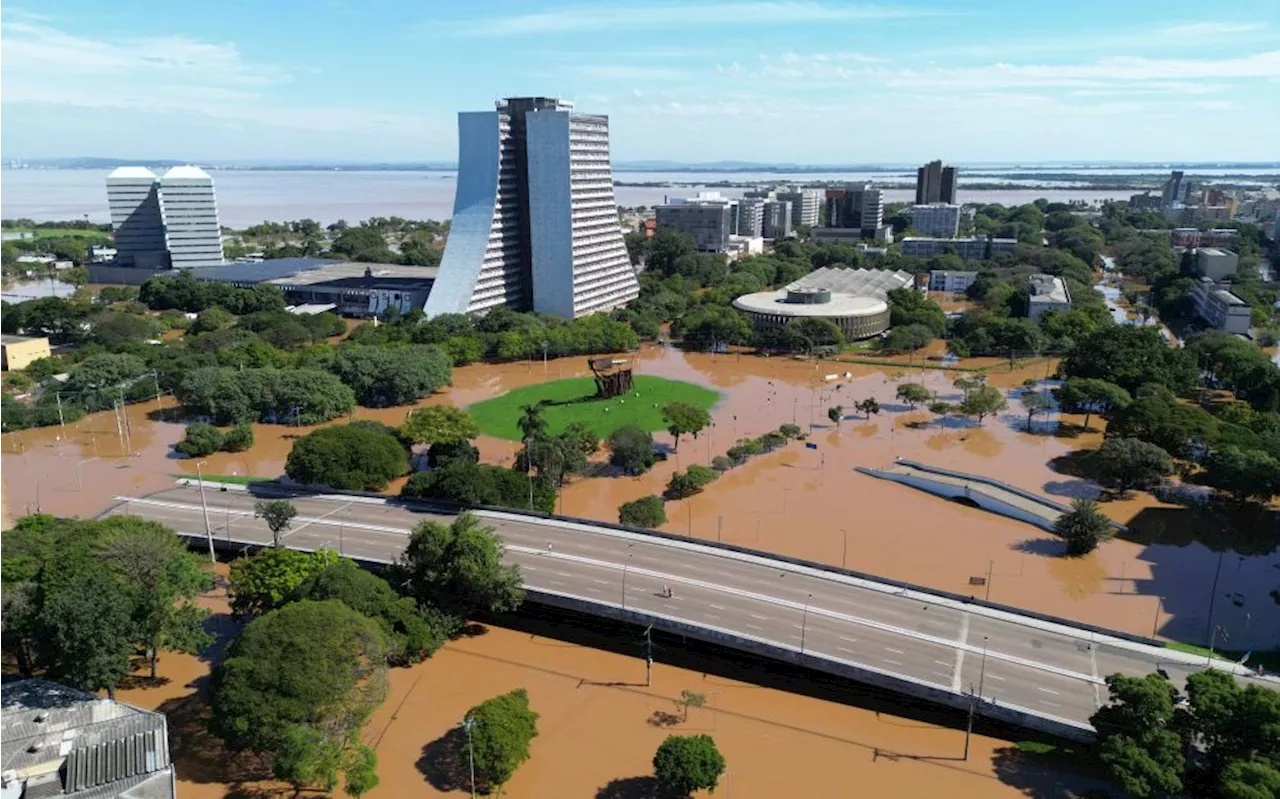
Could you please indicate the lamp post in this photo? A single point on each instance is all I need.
(467, 724)
(973, 701)
(804, 622)
(204, 507)
(79, 476)
(844, 553)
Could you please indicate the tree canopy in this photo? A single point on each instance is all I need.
(501, 730)
(685, 419)
(631, 450)
(687, 763)
(268, 579)
(459, 568)
(364, 456)
(439, 424)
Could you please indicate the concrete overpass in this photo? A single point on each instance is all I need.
(1035, 672)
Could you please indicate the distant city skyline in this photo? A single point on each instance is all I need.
(796, 82)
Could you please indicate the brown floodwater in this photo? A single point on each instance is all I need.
(599, 726)
(801, 502)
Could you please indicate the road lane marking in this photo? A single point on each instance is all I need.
(894, 651)
(1046, 690)
(717, 607)
(710, 616)
(598, 581)
(669, 606)
(846, 649)
(943, 662)
(995, 677)
(847, 638)
(758, 616)
(754, 627)
(564, 574)
(894, 662)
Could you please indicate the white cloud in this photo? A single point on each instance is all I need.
(663, 16)
(175, 76)
(627, 72)
(1163, 38)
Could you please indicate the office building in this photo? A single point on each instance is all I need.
(64, 742)
(17, 352)
(936, 220)
(951, 281)
(855, 300)
(1173, 191)
(776, 219)
(806, 205)
(935, 183)
(1220, 308)
(1145, 202)
(750, 217)
(535, 224)
(1215, 263)
(709, 223)
(1047, 293)
(969, 248)
(856, 208)
(169, 221)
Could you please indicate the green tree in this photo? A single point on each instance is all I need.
(1035, 402)
(439, 424)
(87, 631)
(1092, 395)
(647, 512)
(471, 484)
(683, 418)
(410, 637)
(165, 579)
(533, 425)
(201, 439)
(913, 394)
(501, 730)
(266, 580)
(1083, 527)
(1244, 474)
(211, 319)
(459, 568)
(278, 514)
(907, 307)
(238, 438)
(689, 699)
(1137, 742)
(1128, 463)
(835, 414)
(983, 401)
(1180, 429)
(116, 329)
(687, 763)
(1131, 357)
(1249, 779)
(867, 407)
(360, 456)
(631, 450)
(941, 409)
(387, 376)
(318, 666)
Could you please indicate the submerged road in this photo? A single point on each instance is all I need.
(1048, 669)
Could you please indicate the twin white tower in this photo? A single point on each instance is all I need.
(164, 221)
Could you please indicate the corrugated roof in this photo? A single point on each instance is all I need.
(856, 282)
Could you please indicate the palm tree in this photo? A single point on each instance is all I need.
(1083, 527)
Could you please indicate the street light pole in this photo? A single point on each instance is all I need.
(204, 507)
(991, 563)
(467, 724)
(973, 700)
(844, 553)
(804, 622)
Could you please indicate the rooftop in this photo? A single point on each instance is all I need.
(953, 273)
(132, 172)
(185, 172)
(875, 283)
(1214, 251)
(9, 338)
(840, 305)
(1048, 288)
(261, 271)
(1227, 298)
(349, 270)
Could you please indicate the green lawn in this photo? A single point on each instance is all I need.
(238, 479)
(1269, 658)
(49, 233)
(642, 407)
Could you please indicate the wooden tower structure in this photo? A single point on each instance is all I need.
(613, 376)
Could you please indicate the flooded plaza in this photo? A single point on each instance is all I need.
(804, 502)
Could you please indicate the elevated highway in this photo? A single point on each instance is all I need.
(1039, 673)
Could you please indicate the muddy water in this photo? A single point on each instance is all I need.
(800, 502)
(596, 729)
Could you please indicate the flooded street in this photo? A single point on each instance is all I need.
(599, 726)
(802, 502)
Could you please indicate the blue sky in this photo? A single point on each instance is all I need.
(691, 80)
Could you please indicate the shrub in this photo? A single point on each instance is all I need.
(790, 430)
(238, 438)
(202, 439)
(688, 483)
(771, 441)
(472, 484)
(721, 463)
(701, 475)
(647, 511)
(631, 450)
(355, 456)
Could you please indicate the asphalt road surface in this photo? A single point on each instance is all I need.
(1049, 669)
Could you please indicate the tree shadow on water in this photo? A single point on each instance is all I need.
(444, 762)
(630, 788)
(1046, 547)
(1043, 776)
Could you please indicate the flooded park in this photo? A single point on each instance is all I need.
(1172, 574)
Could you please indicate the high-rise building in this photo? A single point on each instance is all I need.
(535, 224)
(806, 205)
(165, 221)
(751, 216)
(133, 195)
(709, 222)
(937, 220)
(856, 207)
(776, 222)
(935, 183)
(190, 210)
(1173, 191)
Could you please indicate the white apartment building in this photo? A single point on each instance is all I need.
(535, 223)
(951, 281)
(936, 220)
(751, 216)
(137, 225)
(1222, 309)
(806, 205)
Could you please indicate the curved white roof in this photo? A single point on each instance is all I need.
(841, 305)
(185, 172)
(132, 172)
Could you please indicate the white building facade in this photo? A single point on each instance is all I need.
(535, 223)
(937, 220)
(189, 206)
(137, 225)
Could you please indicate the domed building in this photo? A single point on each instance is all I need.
(853, 299)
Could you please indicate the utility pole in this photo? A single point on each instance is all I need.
(61, 422)
(991, 562)
(204, 507)
(804, 622)
(973, 700)
(648, 656)
(844, 554)
(719, 527)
